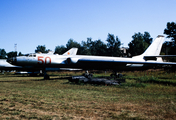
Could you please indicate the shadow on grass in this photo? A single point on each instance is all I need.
(59, 78)
(50, 79)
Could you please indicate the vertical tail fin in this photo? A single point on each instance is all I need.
(72, 51)
(154, 49)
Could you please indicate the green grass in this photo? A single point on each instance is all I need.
(23, 97)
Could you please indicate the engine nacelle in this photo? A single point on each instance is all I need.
(72, 60)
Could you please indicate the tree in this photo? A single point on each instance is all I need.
(147, 38)
(139, 43)
(85, 47)
(2, 54)
(171, 31)
(42, 49)
(12, 54)
(71, 44)
(113, 45)
(98, 48)
(60, 49)
(20, 54)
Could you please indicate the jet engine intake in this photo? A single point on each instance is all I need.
(72, 60)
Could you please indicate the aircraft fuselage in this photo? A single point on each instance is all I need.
(73, 61)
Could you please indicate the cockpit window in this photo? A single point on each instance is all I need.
(31, 55)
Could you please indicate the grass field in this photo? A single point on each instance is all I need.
(145, 95)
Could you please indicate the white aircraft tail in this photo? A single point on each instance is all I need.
(154, 49)
(72, 51)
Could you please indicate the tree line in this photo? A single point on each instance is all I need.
(138, 44)
(96, 47)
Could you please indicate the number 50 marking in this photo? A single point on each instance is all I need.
(45, 61)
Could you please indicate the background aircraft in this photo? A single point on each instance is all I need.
(149, 59)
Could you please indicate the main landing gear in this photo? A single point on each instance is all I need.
(46, 76)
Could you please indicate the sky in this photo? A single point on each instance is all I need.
(29, 23)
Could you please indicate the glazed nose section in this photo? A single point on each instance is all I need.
(12, 60)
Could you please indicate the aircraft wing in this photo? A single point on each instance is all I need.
(6, 66)
(82, 60)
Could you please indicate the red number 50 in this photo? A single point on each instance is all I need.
(49, 60)
(41, 61)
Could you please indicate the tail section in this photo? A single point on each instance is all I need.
(153, 50)
(72, 51)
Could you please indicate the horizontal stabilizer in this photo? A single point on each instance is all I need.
(160, 56)
(157, 56)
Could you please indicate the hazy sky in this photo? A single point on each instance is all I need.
(29, 23)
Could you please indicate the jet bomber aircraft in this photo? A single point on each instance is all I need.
(149, 59)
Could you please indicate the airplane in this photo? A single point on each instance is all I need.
(149, 59)
(6, 66)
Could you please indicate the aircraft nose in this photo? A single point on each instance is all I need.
(12, 60)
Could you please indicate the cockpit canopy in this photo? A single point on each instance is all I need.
(31, 55)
